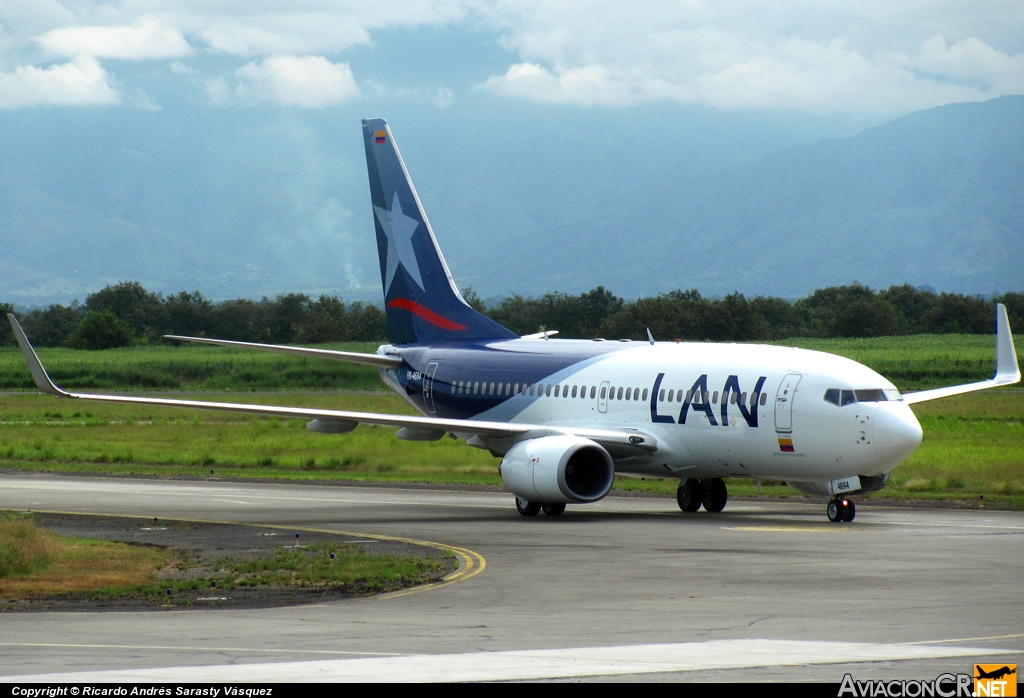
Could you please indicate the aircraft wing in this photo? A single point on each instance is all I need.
(1007, 369)
(343, 420)
(348, 356)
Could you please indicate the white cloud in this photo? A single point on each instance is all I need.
(82, 81)
(817, 55)
(146, 38)
(299, 81)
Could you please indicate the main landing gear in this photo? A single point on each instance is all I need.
(710, 493)
(841, 509)
(527, 508)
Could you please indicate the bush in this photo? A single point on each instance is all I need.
(24, 548)
(101, 331)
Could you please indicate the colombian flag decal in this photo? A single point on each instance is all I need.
(380, 136)
(786, 445)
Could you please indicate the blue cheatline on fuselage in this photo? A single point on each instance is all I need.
(521, 362)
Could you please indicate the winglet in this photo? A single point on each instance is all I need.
(1007, 369)
(35, 366)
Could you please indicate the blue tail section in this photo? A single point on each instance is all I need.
(421, 300)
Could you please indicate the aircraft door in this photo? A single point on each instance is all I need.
(784, 402)
(428, 386)
(602, 399)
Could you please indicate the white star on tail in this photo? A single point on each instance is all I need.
(399, 229)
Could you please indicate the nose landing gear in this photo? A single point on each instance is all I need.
(840, 510)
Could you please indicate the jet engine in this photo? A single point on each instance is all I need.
(555, 469)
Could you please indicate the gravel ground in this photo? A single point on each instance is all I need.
(210, 542)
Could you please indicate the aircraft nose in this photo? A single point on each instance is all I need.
(897, 432)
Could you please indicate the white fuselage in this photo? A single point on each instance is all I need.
(791, 432)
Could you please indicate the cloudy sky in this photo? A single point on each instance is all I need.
(817, 55)
(224, 135)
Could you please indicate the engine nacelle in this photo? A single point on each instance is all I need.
(555, 469)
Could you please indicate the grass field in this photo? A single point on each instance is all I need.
(35, 563)
(973, 445)
(192, 367)
(913, 362)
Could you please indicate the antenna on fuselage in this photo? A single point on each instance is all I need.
(650, 337)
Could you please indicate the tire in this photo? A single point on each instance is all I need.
(527, 508)
(834, 511)
(554, 509)
(715, 495)
(690, 495)
(851, 511)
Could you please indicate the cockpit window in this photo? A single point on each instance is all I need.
(832, 395)
(871, 395)
(847, 398)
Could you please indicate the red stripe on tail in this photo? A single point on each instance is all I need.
(425, 313)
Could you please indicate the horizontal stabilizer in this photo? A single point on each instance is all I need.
(1007, 368)
(351, 357)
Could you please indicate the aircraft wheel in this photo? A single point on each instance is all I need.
(851, 510)
(715, 495)
(554, 509)
(690, 495)
(837, 511)
(527, 508)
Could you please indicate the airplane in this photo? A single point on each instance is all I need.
(565, 416)
(995, 674)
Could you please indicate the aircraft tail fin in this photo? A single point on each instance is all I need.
(422, 303)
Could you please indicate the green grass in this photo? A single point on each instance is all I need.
(192, 367)
(973, 445)
(912, 362)
(38, 432)
(916, 362)
(35, 563)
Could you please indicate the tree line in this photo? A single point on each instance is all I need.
(127, 313)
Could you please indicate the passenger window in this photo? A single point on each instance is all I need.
(460, 387)
(847, 398)
(575, 389)
(492, 388)
(583, 391)
(645, 394)
(671, 395)
(603, 393)
(661, 395)
(508, 388)
(764, 398)
(714, 399)
(706, 395)
(679, 395)
(742, 399)
(629, 392)
(619, 394)
(547, 391)
(732, 398)
(453, 387)
(476, 387)
(515, 389)
(593, 390)
(832, 395)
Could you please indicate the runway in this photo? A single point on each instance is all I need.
(627, 588)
